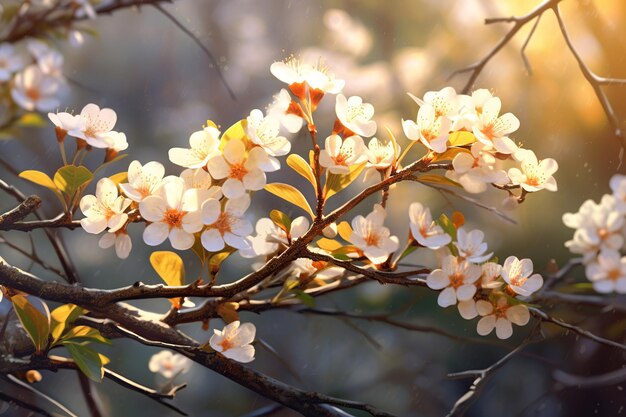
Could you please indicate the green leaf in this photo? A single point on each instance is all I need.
(281, 220)
(84, 335)
(169, 266)
(437, 179)
(305, 298)
(36, 323)
(291, 194)
(87, 360)
(298, 164)
(31, 120)
(335, 182)
(70, 178)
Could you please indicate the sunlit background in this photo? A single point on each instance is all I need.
(164, 87)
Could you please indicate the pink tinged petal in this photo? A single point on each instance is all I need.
(211, 210)
(241, 227)
(245, 334)
(123, 246)
(463, 162)
(504, 329)
(437, 280)
(504, 145)
(243, 354)
(533, 283)
(518, 314)
(465, 292)
(117, 221)
(233, 188)
(94, 225)
(254, 180)
(180, 239)
(218, 167)
(215, 341)
(620, 286)
(107, 240)
(87, 202)
(236, 242)
(491, 109)
(447, 297)
(467, 309)
(484, 307)
(152, 208)
(604, 286)
(526, 267)
(212, 240)
(192, 222)
(154, 234)
(486, 325)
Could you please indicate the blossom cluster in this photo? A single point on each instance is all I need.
(599, 238)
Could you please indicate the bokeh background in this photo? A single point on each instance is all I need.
(164, 88)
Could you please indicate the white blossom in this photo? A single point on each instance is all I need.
(355, 115)
(429, 129)
(234, 341)
(471, 246)
(174, 213)
(269, 237)
(33, 90)
(608, 272)
(338, 156)
(265, 132)
(499, 314)
(456, 277)
(203, 146)
(424, 229)
(493, 130)
(105, 209)
(226, 226)
(98, 124)
(371, 236)
(10, 62)
(519, 275)
(476, 169)
(120, 240)
(144, 180)
(534, 175)
(280, 109)
(169, 364)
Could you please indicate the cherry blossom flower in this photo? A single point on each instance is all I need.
(491, 272)
(305, 269)
(338, 156)
(105, 209)
(381, 155)
(85, 8)
(280, 110)
(424, 229)
(499, 314)
(65, 122)
(120, 240)
(270, 237)
(517, 273)
(116, 141)
(493, 130)
(10, 62)
(476, 169)
(33, 90)
(608, 272)
(431, 130)
(144, 180)
(534, 175)
(445, 102)
(598, 227)
(618, 186)
(98, 124)
(470, 108)
(293, 71)
(456, 277)
(242, 171)
(173, 212)
(204, 145)
(355, 116)
(471, 246)
(372, 237)
(169, 364)
(234, 341)
(226, 226)
(264, 131)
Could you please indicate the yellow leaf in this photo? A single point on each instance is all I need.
(119, 178)
(39, 178)
(236, 131)
(291, 194)
(336, 182)
(437, 179)
(461, 138)
(228, 311)
(211, 123)
(298, 164)
(169, 266)
(61, 317)
(281, 220)
(328, 244)
(449, 154)
(215, 262)
(344, 230)
(31, 120)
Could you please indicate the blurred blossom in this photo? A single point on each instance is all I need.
(346, 34)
